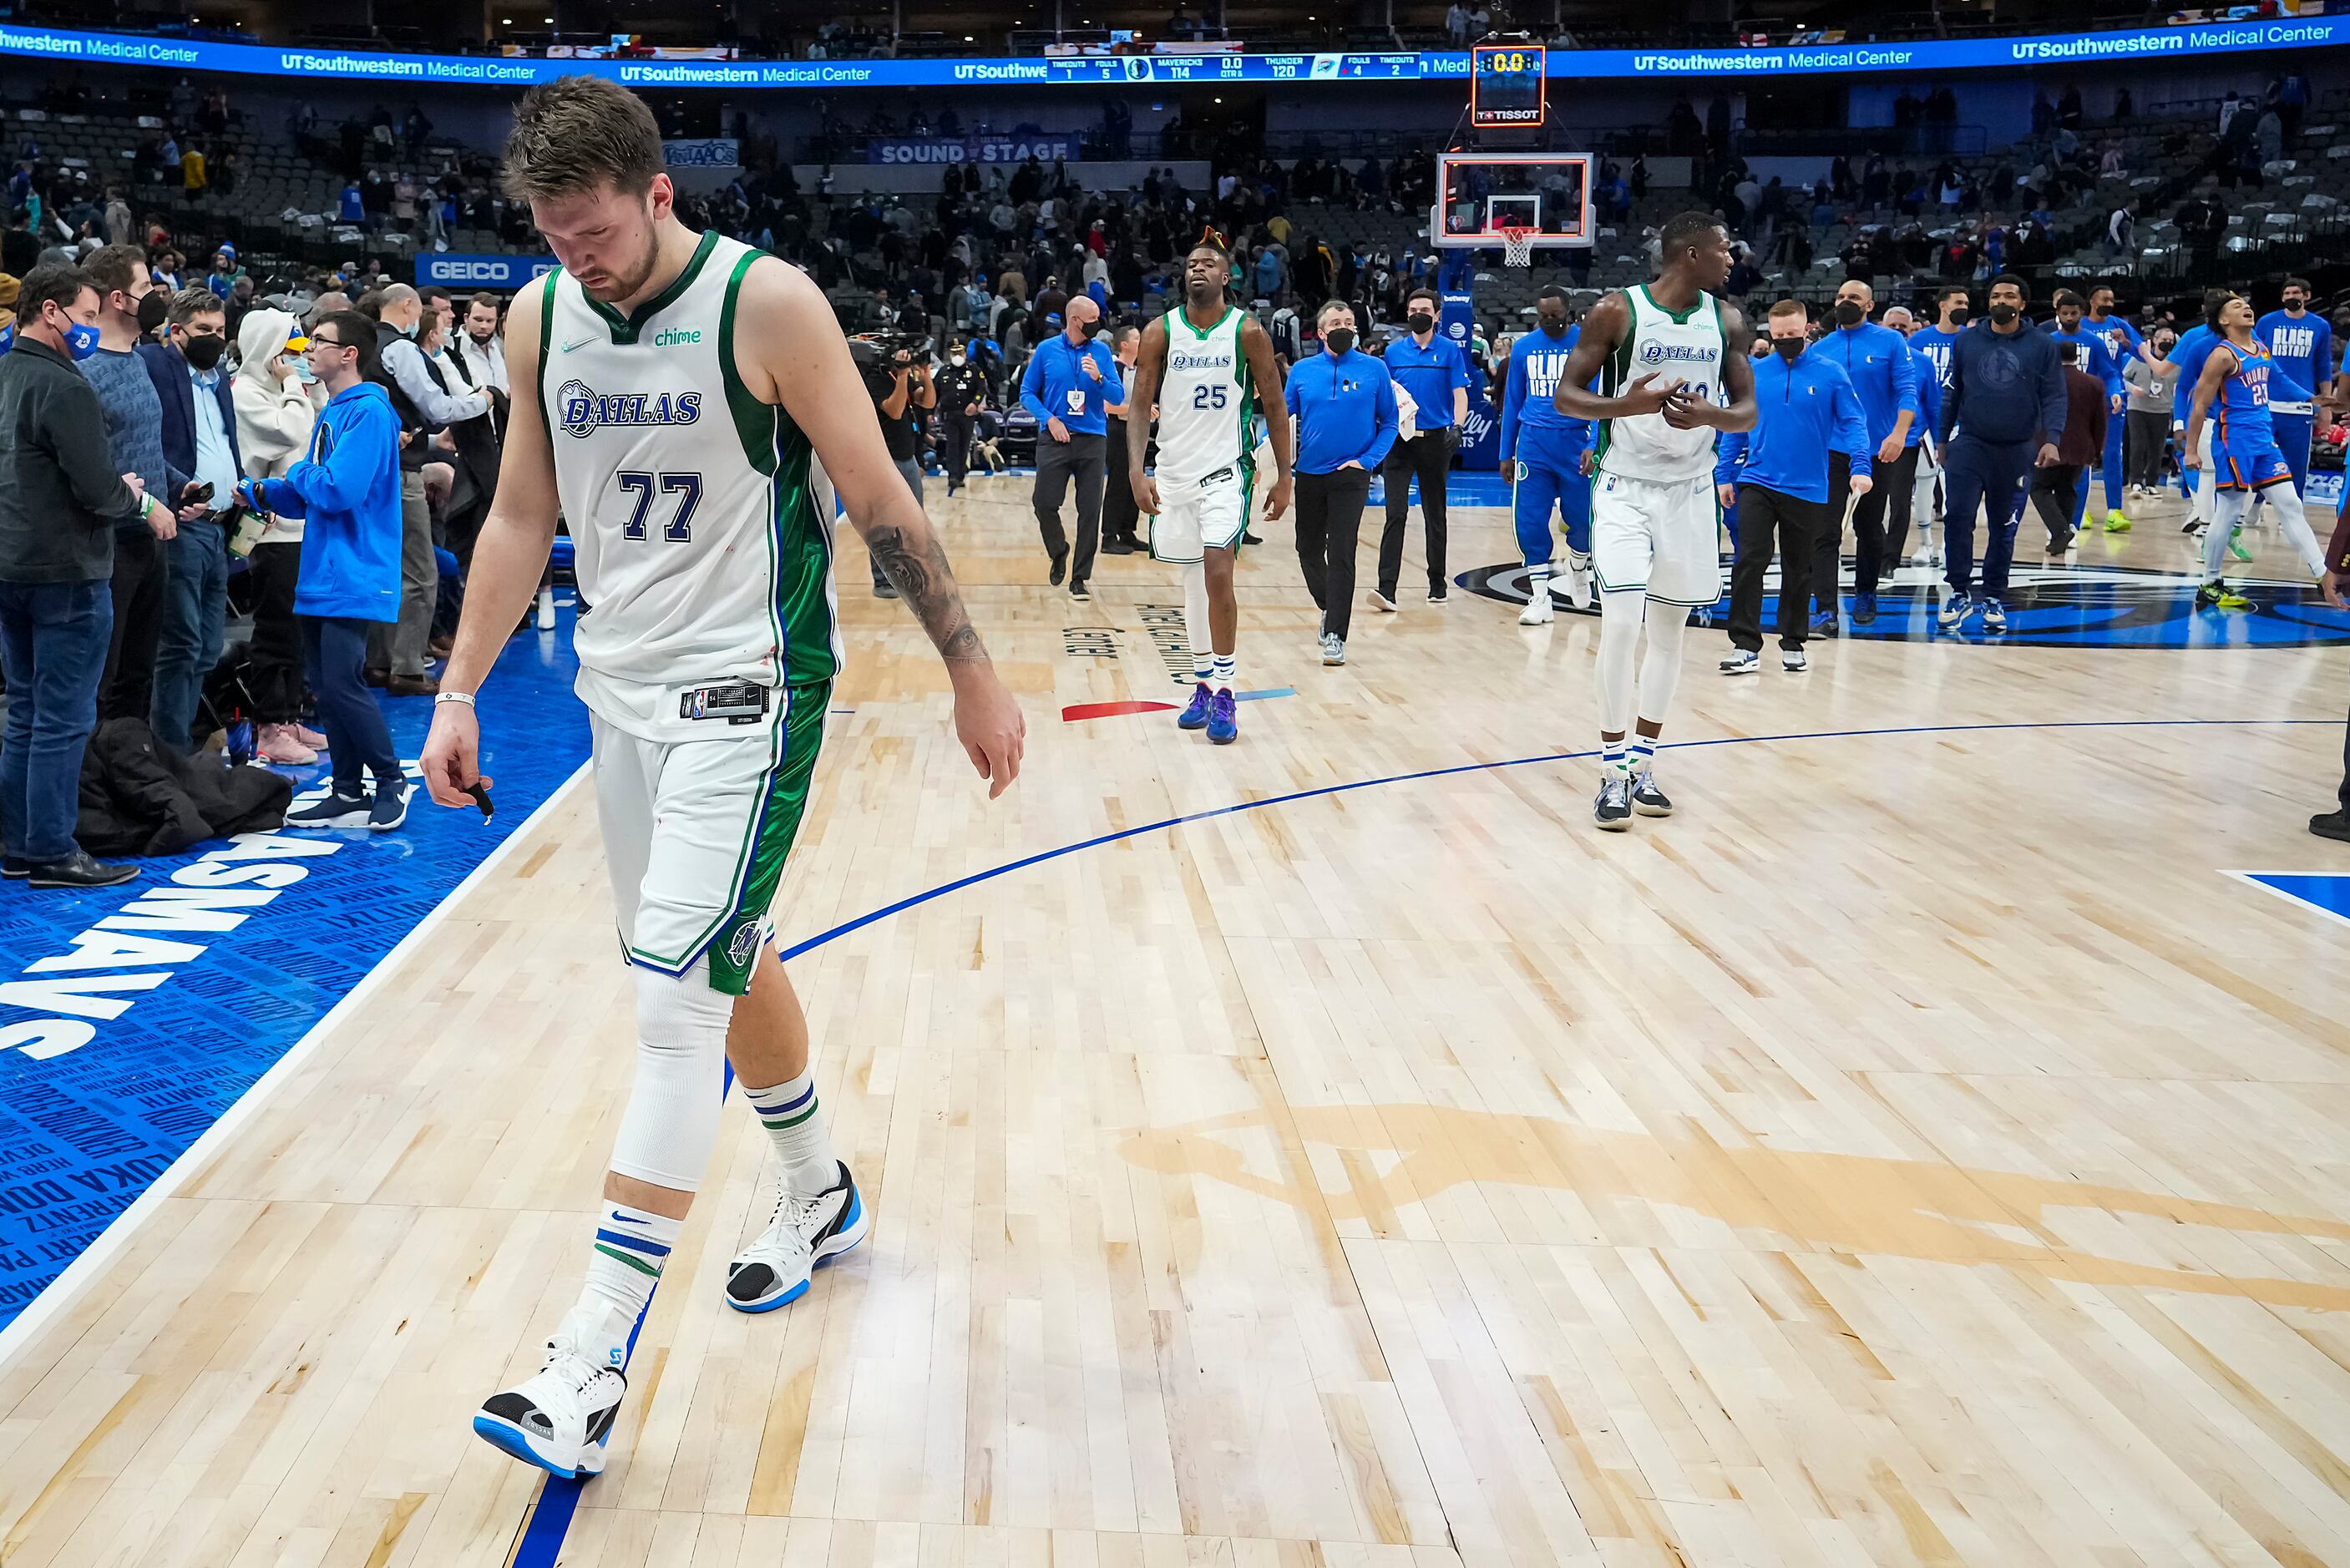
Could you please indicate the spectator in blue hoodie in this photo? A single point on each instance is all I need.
(348, 493)
(1877, 362)
(1808, 427)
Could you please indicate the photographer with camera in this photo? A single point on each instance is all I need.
(896, 370)
(1072, 386)
(962, 398)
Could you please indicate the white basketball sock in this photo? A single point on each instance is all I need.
(789, 1112)
(631, 1248)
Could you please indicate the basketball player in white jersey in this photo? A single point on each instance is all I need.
(1670, 379)
(1209, 366)
(671, 391)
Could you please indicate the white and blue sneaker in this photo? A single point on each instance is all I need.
(1953, 613)
(559, 1419)
(1648, 799)
(1994, 615)
(803, 1233)
(1741, 662)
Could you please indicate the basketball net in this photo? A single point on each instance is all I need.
(1517, 245)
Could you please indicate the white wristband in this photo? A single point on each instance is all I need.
(464, 697)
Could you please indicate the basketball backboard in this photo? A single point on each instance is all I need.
(1480, 194)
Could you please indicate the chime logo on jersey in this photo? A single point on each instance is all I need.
(583, 410)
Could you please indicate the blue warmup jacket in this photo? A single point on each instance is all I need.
(1344, 406)
(1801, 413)
(1057, 388)
(2095, 358)
(1429, 375)
(2303, 347)
(2005, 387)
(1876, 361)
(347, 490)
(1929, 394)
(2194, 346)
(1537, 361)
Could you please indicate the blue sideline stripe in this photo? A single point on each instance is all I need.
(542, 1539)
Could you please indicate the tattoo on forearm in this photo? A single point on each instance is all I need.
(928, 587)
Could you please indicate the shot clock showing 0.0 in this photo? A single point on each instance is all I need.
(1506, 84)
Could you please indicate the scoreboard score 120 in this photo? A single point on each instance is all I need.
(1506, 84)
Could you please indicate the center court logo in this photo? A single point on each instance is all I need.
(582, 411)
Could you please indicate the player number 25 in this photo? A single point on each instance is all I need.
(1208, 397)
(678, 529)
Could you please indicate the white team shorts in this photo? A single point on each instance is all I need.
(1201, 515)
(1656, 536)
(695, 835)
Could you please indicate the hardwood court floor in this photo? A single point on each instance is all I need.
(1914, 1152)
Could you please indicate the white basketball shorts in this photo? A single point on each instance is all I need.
(1203, 514)
(1656, 536)
(696, 833)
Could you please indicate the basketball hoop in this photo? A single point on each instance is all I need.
(1517, 245)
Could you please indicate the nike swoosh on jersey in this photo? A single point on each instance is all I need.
(580, 343)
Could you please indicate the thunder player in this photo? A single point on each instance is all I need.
(670, 390)
(1671, 381)
(2302, 347)
(1203, 365)
(1543, 451)
(2241, 378)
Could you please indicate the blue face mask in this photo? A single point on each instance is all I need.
(409, 331)
(81, 341)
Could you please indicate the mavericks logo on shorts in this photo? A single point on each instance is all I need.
(743, 944)
(580, 410)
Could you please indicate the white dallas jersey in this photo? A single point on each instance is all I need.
(1681, 347)
(702, 554)
(1207, 401)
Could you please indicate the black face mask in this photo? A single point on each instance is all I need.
(204, 352)
(1338, 340)
(1555, 328)
(1787, 348)
(153, 305)
(1089, 329)
(1849, 313)
(1961, 316)
(2004, 314)
(1420, 323)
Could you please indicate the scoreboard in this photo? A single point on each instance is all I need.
(1505, 85)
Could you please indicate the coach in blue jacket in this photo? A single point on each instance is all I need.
(1344, 403)
(347, 490)
(198, 441)
(1072, 386)
(1809, 433)
(1875, 359)
(2003, 414)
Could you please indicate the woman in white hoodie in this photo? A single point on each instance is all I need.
(275, 414)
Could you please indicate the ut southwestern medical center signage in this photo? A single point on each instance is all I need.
(1448, 65)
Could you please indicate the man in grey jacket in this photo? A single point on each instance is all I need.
(60, 497)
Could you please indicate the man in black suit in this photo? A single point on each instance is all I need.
(199, 440)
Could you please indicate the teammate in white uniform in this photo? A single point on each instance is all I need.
(1668, 380)
(1209, 368)
(672, 391)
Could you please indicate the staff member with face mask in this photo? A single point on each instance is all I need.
(1876, 361)
(1808, 427)
(1072, 383)
(1344, 403)
(961, 393)
(1433, 373)
(60, 496)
